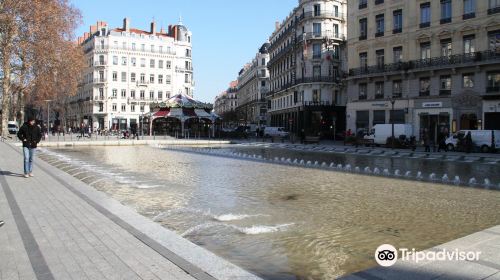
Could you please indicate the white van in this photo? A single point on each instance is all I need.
(12, 127)
(480, 138)
(274, 131)
(381, 132)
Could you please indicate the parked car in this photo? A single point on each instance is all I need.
(480, 138)
(12, 127)
(381, 132)
(274, 131)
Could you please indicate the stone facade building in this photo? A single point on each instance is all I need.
(127, 70)
(307, 64)
(431, 63)
(227, 101)
(253, 87)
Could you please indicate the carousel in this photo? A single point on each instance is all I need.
(182, 116)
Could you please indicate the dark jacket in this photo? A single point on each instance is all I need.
(30, 135)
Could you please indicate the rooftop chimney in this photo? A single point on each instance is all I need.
(153, 27)
(277, 25)
(126, 24)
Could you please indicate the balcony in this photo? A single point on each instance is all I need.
(424, 93)
(322, 14)
(444, 92)
(468, 16)
(362, 37)
(445, 20)
(397, 30)
(183, 69)
(495, 10)
(490, 89)
(100, 80)
(435, 62)
(128, 48)
(363, 5)
(280, 54)
(99, 63)
(379, 34)
(425, 24)
(379, 96)
(377, 2)
(319, 79)
(327, 34)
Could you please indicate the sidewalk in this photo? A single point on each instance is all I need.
(56, 227)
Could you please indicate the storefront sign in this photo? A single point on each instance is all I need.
(379, 104)
(432, 104)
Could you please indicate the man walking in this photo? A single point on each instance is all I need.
(30, 135)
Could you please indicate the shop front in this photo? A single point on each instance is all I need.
(491, 111)
(433, 118)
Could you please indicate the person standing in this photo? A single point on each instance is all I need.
(30, 134)
(468, 142)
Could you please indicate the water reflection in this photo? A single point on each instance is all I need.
(282, 221)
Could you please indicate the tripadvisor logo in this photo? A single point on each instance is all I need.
(387, 255)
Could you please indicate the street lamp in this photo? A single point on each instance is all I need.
(392, 122)
(48, 116)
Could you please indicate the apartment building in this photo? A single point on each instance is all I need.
(431, 63)
(127, 70)
(307, 63)
(227, 101)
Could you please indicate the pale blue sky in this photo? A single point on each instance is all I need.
(226, 33)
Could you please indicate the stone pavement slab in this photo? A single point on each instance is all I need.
(64, 229)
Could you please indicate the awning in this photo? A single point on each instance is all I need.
(175, 113)
(202, 113)
(161, 114)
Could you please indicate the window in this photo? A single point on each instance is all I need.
(316, 51)
(336, 30)
(132, 107)
(114, 93)
(363, 29)
(133, 46)
(397, 53)
(469, 44)
(493, 81)
(160, 64)
(152, 63)
(445, 11)
(317, 29)
(115, 76)
(377, 2)
(263, 62)
(142, 108)
(186, 78)
(142, 93)
(167, 79)
(124, 60)
(317, 71)
(317, 10)
(425, 15)
(363, 4)
(143, 62)
(160, 95)
(469, 9)
(152, 48)
(101, 93)
(133, 61)
(152, 78)
(494, 40)
(380, 58)
(115, 60)
(493, 7)
(160, 79)
(124, 76)
(132, 94)
(124, 93)
(143, 47)
(363, 60)
(143, 78)
(124, 107)
(397, 90)
(379, 90)
(132, 77)
(445, 85)
(114, 107)
(160, 49)
(425, 86)
(316, 95)
(101, 60)
(425, 50)
(362, 91)
(101, 107)
(379, 21)
(168, 64)
(378, 117)
(468, 80)
(397, 21)
(446, 49)
(151, 95)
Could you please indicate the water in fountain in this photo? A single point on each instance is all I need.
(348, 167)
(323, 164)
(295, 161)
(419, 175)
(432, 176)
(386, 172)
(487, 183)
(472, 181)
(357, 169)
(309, 162)
(339, 166)
(408, 174)
(397, 172)
(368, 170)
(332, 165)
(445, 178)
(456, 181)
(376, 170)
(302, 162)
